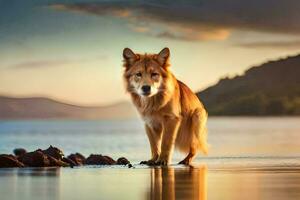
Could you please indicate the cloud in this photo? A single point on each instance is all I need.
(54, 63)
(104, 8)
(273, 44)
(167, 34)
(39, 64)
(199, 19)
(192, 35)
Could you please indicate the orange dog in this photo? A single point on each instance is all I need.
(173, 114)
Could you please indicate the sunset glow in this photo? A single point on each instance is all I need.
(72, 51)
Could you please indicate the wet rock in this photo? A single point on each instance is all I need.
(110, 160)
(53, 156)
(9, 161)
(96, 159)
(77, 158)
(69, 161)
(54, 152)
(53, 162)
(35, 159)
(123, 161)
(19, 151)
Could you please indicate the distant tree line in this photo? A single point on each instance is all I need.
(257, 104)
(273, 88)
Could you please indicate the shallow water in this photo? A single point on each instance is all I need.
(250, 158)
(237, 137)
(175, 182)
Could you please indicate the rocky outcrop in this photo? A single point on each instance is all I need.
(9, 161)
(53, 162)
(98, 159)
(35, 159)
(54, 152)
(19, 151)
(77, 158)
(54, 157)
(123, 161)
(69, 161)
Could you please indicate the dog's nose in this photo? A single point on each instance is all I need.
(146, 89)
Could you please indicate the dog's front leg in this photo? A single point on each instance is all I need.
(171, 125)
(154, 136)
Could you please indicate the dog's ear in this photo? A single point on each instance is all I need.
(163, 56)
(129, 56)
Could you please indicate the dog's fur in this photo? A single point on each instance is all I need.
(172, 113)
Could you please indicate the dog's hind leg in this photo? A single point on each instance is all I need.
(189, 158)
(198, 137)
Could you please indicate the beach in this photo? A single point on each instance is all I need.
(250, 158)
(203, 181)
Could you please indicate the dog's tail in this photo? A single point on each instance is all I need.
(200, 121)
(204, 146)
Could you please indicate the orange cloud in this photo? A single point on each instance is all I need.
(148, 25)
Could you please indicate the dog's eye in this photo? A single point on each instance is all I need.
(154, 75)
(138, 74)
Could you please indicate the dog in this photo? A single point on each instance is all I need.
(173, 114)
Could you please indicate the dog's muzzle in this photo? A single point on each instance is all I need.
(146, 90)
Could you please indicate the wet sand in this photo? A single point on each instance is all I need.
(214, 178)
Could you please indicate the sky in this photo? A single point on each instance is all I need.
(72, 50)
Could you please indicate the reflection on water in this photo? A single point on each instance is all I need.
(187, 183)
(250, 184)
(29, 183)
(176, 182)
(41, 171)
(50, 171)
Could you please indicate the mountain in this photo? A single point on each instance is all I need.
(45, 108)
(272, 88)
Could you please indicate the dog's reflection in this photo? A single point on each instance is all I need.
(170, 183)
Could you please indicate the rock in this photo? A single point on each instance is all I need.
(9, 161)
(53, 156)
(35, 159)
(53, 162)
(77, 158)
(110, 160)
(123, 161)
(69, 161)
(54, 152)
(96, 159)
(19, 151)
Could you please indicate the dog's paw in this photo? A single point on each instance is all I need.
(162, 161)
(184, 162)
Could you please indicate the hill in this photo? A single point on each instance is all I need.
(45, 108)
(272, 88)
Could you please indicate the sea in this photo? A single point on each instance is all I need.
(249, 158)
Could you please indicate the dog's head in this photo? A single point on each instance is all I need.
(145, 73)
